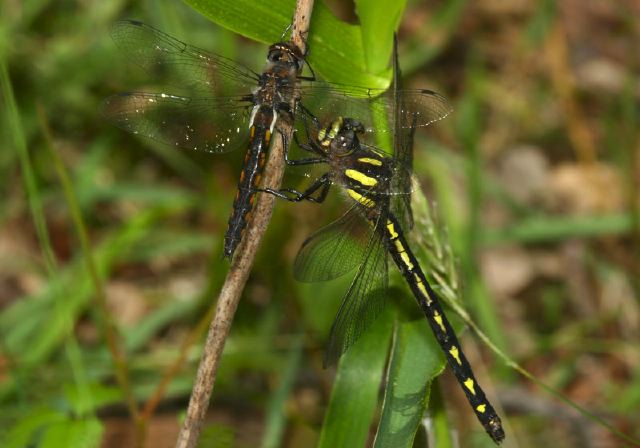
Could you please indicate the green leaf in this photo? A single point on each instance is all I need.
(24, 432)
(355, 391)
(415, 360)
(72, 434)
(276, 419)
(378, 21)
(335, 48)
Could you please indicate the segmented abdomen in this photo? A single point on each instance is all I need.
(254, 161)
(429, 303)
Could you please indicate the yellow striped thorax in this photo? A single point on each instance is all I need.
(370, 161)
(361, 178)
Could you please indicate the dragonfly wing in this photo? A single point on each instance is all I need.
(404, 128)
(333, 250)
(363, 302)
(328, 101)
(208, 124)
(180, 64)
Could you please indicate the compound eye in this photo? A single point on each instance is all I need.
(275, 56)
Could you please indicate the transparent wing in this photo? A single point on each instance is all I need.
(180, 64)
(334, 250)
(369, 106)
(208, 124)
(363, 302)
(403, 176)
(404, 128)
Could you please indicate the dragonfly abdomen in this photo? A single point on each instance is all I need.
(250, 177)
(430, 305)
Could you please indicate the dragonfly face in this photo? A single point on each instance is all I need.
(285, 57)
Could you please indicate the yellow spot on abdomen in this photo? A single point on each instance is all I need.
(469, 385)
(370, 161)
(252, 131)
(360, 198)
(455, 353)
(481, 408)
(406, 260)
(422, 288)
(360, 177)
(392, 230)
(403, 255)
(438, 318)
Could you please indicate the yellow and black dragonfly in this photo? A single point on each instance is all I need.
(378, 186)
(218, 105)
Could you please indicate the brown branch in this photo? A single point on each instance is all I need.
(241, 265)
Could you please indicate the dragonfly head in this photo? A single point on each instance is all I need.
(285, 54)
(340, 138)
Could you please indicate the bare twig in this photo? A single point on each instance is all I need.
(241, 265)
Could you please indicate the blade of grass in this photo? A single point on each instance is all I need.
(441, 434)
(276, 413)
(415, 360)
(108, 325)
(543, 229)
(379, 19)
(72, 349)
(354, 396)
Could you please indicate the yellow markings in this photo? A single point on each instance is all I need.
(470, 385)
(438, 318)
(392, 230)
(326, 135)
(403, 255)
(422, 289)
(252, 131)
(362, 178)
(481, 408)
(335, 127)
(406, 260)
(267, 137)
(370, 161)
(360, 198)
(455, 353)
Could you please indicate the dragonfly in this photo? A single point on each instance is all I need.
(216, 104)
(378, 186)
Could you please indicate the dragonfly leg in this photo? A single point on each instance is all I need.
(313, 74)
(306, 113)
(307, 147)
(323, 183)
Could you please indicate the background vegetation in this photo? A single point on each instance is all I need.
(536, 175)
